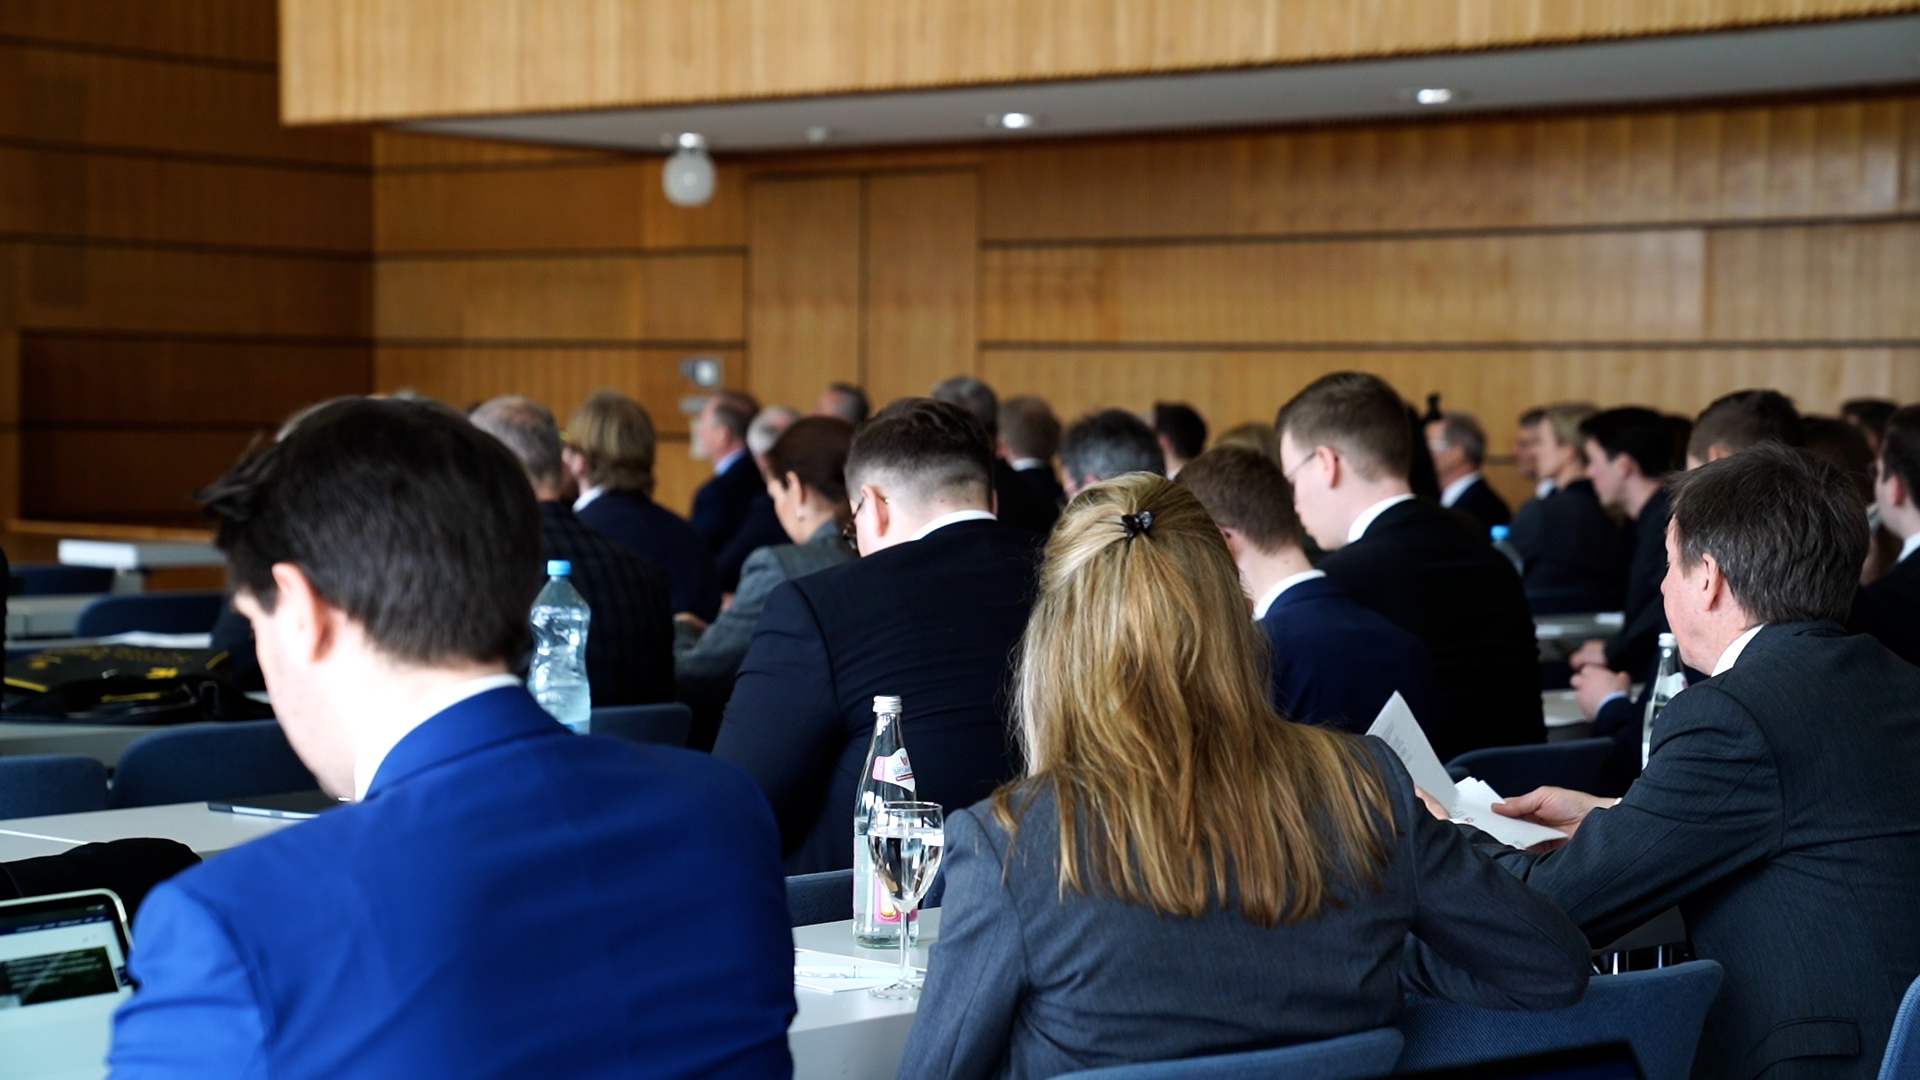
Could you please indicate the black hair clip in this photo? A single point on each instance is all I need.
(1137, 524)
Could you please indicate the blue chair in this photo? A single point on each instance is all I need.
(52, 579)
(51, 784)
(1349, 1057)
(156, 613)
(1658, 1012)
(199, 762)
(1516, 770)
(662, 725)
(1903, 1048)
(818, 898)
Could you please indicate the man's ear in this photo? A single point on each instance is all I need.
(1233, 539)
(882, 516)
(307, 624)
(1331, 461)
(1897, 489)
(1712, 583)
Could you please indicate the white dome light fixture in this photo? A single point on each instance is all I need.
(1436, 95)
(1013, 121)
(687, 178)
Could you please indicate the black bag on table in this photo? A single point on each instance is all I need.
(126, 684)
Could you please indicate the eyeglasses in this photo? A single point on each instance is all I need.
(1295, 471)
(847, 531)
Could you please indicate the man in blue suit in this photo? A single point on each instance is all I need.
(1335, 663)
(503, 898)
(720, 436)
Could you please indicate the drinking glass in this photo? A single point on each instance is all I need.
(906, 840)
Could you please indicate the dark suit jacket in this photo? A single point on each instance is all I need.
(1636, 648)
(630, 640)
(1047, 482)
(935, 621)
(759, 528)
(1484, 504)
(1428, 574)
(1889, 609)
(510, 900)
(721, 503)
(1018, 504)
(233, 634)
(659, 536)
(1779, 812)
(1336, 663)
(1025, 983)
(1570, 549)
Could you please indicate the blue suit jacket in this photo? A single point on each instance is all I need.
(510, 900)
(1336, 663)
(659, 536)
(720, 506)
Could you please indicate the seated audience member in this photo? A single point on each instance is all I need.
(806, 477)
(1526, 445)
(1084, 921)
(1182, 432)
(1778, 809)
(1740, 421)
(1458, 446)
(1889, 609)
(1106, 444)
(1845, 447)
(930, 613)
(1569, 548)
(630, 638)
(1256, 437)
(1346, 446)
(1029, 437)
(610, 452)
(1422, 481)
(1870, 415)
(504, 898)
(720, 436)
(1334, 662)
(843, 400)
(1016, 503)
(760, 527)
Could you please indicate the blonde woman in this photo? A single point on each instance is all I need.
(1181, 872)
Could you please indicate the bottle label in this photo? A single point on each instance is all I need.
(894, 769)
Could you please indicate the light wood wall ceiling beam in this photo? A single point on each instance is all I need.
(364, 60)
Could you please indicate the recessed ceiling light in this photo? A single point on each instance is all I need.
(1437, 95)
(1013, 121)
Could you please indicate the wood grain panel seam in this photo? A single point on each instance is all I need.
(1662, 345)
(558, 343)
(194, 157)
(625, 161)
(208, 337)
(125, 53)
(188, 427)
(187, 247)
(1491, 232)
(462, 255)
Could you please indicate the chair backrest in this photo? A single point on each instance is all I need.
(1349, 1057)
(1658, 1012)
(1903, 1049)
(156, 613)
(1516, 770)
(208, 761)
(51, 784)
(818, 898)
(52, 579)
(662, 725)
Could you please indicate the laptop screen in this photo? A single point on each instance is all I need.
(63, 971)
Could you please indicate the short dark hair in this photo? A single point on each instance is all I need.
(1244, 490)
(1463, 431)
(735, 410)
(972, 395)
(1789, 536)
(1869, 414)
(850, 403)
(1029, 428)
(1842, 446)
(1533, 416)
(1744, 419)
(1183, 426)
(418, 525)
(1108, 443)
(932, 446)
(1900, 447)
(814, 448)
(1357, 414)
(1641, 434)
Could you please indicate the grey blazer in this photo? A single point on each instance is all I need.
(707, 663)
(1025, 983)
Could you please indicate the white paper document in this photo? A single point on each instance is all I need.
(1470, 802)
(831, 974)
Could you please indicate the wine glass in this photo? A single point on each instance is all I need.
(906, 840)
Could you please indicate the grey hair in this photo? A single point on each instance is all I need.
(1110, 443)
(767, 427)
(1464, 433)
(972, 395)
(528, 429)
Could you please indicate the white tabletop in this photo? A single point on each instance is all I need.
(29, 847)
(139, 554)
(102, 742)
(206, 831)
(45, 616)
(852, 1035)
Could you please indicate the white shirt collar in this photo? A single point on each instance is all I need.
(1544, 488)
(384, 736)
(1360, 524)
(1022, 464)
(1734, 650)
(1452, 492)
(725, 463)
(587, 496)
(1261, 606)
(1912, 545)
(954, 518)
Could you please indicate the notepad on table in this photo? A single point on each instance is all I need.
(831, 974)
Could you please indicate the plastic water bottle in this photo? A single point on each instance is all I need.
(558, 676)
(1505, 547)
(1668, 681)
(887, 777)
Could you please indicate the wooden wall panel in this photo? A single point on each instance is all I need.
(804, 304)
(124, 476)
(79, 380)
(665, 297)
(179, 292)
(559, 378)
(1822, 283)
(921, 278)
(234, 31)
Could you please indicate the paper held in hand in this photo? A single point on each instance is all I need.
(1470, 802)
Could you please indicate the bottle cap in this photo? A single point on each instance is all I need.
(559, 568)
(885, 703)
(1668, 641)
(1500, 532)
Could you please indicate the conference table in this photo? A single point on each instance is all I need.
(207, 832)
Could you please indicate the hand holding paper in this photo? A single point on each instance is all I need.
(1470, 802)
